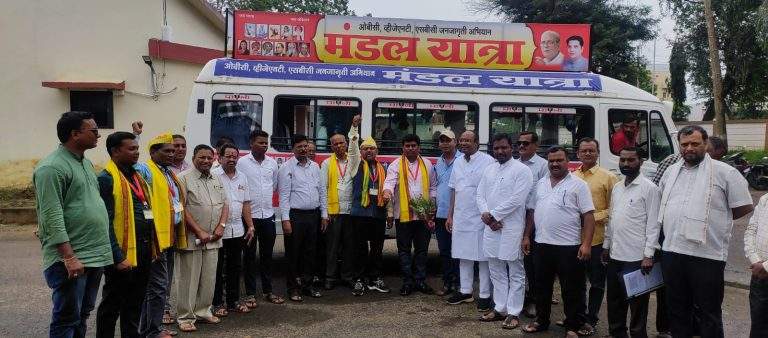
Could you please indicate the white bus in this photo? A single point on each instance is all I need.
(233, 97)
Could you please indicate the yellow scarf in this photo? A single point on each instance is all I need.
(123, 221)
(162, 206)
(404, 190)
(365, 200)
(333, 185)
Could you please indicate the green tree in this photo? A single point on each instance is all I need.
(615, 29)
(338, 7)
(743, 60)
(678, 64)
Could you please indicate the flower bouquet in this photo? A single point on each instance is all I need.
(425, 209)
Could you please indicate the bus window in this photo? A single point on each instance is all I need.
(235, 116)
(394, 119)
(661, 144)
(316, 117)
(628, 128)
(557, 125)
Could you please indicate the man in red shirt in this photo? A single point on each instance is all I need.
(626, 136)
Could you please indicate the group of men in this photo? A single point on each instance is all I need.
(521, 222)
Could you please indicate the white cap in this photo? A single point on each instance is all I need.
(448, 133)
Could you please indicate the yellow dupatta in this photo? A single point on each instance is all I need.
(123, 222)
(404, 189)
(333, 185)
(365, 198)
(162, 206)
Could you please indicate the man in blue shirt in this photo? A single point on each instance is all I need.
(575, 62)
(443, 169)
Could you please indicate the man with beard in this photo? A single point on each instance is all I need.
(564, 221)
(501, 198)
(700, 199)
(465, 223)
(626, 136)
(631, 239)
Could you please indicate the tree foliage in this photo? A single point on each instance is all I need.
(678, 64)
(615, 28)
(744, 61)
(338, 7)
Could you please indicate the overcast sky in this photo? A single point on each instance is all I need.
(462, 10)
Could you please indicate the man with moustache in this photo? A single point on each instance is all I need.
(600, 182)
(443, 173)
(700, 199)
(631, 239)
(627, 134)
(179, 163)
(301, 195)
(336, 174)
(466, 225)
(501, 198)
(134, 246)
(73, 225)
(550, 50)
(564, 222)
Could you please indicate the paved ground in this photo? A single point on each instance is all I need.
(25, 306)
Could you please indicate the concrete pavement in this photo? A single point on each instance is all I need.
(25, 305)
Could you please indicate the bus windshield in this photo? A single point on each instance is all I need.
(235, 116)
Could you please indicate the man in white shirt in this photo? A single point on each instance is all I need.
(564, 221)
(235, 234)
(301, 193)
(465, 224)
(410, 177)
(261, 173)
(336, 173)
(631, 239)
(756, 249)
(501, 197)
(700, 199)
(527, 146)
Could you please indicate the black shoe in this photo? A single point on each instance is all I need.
(458, 298)
(406, 290)
(484, 304)
(530, 311)
(358, 289)
(329, 284)
(312, 292)
(379, 286)
(424, 288)
(446, 290)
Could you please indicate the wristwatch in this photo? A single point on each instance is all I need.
(223, 225)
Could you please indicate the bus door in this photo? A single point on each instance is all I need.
(640, 127)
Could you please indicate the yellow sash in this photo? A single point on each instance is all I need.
(404, 189)
(162, 206)
(333, 185)
(123, 221)
(365, 198)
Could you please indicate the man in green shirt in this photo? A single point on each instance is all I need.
(73, 225)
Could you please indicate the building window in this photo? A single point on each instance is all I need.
(98, 103)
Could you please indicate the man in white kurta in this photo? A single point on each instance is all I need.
(465, 224)
(501, 198)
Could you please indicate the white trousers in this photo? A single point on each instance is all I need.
(467, 277)
(508, 278)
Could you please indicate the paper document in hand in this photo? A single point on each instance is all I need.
(636, 283)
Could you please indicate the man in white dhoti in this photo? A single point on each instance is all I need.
(465, 224)
(501, 198)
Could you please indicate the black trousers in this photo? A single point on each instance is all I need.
(662, 315)
(596, 276)
(228, 272)
(530, 273)
(300, 247)
(338, 236)
(561, 261)
(413, 237)
(158, 285)
(369, 237)
(758, 307)
(694, 281)
(264, 240)
(448, 263)
(618, 304)
(122, 296)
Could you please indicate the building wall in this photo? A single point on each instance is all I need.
(91, 41)
(742, 134)
(659, 79)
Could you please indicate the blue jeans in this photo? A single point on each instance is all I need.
(73, 299)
